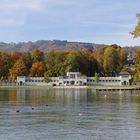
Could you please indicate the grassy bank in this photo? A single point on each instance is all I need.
(68, 87)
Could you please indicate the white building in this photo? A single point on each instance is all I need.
(31, 81)
(72, 78)
(76, 79)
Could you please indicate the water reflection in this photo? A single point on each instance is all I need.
(66, 96)
(69, 114)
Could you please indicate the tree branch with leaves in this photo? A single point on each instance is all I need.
(136, 32)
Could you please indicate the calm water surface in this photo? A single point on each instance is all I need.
(74, 114)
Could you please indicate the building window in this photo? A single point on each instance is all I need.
(72, 75)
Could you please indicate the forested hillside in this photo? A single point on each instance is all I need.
(56, 45)
(47, 46)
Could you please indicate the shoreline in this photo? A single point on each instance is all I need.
(98, 88)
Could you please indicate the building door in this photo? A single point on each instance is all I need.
(21, 83)
(124, 83)
(72, 82)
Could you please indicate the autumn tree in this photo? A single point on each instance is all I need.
(128, 69)
(37, 55)
(15, 56)
(90, 62)
(136, 32)
(1, 67)
(137, 56)
(111, 60)
(99, 56)
(76, 62)
(122, 57)
(37, 69)
(26, 57)
(136, 77)
(5, 64)
(18, 69)
(72, 62)
(55, 63)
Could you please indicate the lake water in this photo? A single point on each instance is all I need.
(72, 114)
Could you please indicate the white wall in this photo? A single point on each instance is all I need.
(36, 84)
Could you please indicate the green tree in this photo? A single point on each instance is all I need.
(128, 69)
(111, 60)
(97, 77)
(55, 63)
(5, 64)
(76, 62)
(46, 77)
(136, 78)
(72, 63)
(90, 63)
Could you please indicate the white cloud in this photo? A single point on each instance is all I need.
(8, 5)
(11, 22)
(14, 13)
(61, 2)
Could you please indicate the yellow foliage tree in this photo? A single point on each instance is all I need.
(37, 55)
(19, 69)
(136, 32)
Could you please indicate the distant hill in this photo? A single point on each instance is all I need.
(132, 49)
(49, 45)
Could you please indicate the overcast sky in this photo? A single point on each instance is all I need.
(96, 21)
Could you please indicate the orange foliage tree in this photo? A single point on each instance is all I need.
(15, 56)
(37, 69)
